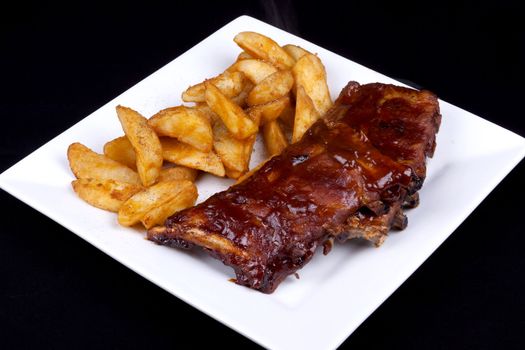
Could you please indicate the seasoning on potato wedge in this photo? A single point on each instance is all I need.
(188, 125)
(139, 205)
(260, 46)
(105, 194)
(309, 72)
(305, 114)
(121, 150)
(233, 116)
(182, 154)
(145, 143)
(87, 164)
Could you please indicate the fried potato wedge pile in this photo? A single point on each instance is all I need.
(148, 174)
(131, 177)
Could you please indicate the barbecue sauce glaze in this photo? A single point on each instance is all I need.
(364, 151)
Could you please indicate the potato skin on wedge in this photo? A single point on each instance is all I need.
(105, 194)
(87, 164)
(159, 195)
(145, 143)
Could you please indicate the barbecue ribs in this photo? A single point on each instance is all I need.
(350, 176)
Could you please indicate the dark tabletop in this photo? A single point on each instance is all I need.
(60, 63)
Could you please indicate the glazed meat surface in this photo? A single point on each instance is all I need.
(349, 176)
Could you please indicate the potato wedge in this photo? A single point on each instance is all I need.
(254, 70)
(86, 164)
(271, 88)
(145, 143)
(185, 198)
(274, 138)
(177, 172)
(305, 114)
(105, 194)
(121, 150)
(260, 46)
(233, 174)
(310, 73)
(240, 99)
(229, 83)
(230, 149)
(244, 56)
(249, 143)
(182, 154)
(287, 116)
(296, 52)
(135, 208)
(188, 125)
(206, 110)
(269, 111)
(233, 116)
(251, 172)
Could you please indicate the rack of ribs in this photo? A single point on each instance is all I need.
(350, 176)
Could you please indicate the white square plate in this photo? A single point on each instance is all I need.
(336, 292)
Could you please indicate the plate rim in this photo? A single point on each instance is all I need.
(345, 331)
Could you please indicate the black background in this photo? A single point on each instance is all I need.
(60, 63)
